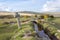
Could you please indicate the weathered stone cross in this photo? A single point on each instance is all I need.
(17, 16)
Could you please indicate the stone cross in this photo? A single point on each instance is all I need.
(17, 16)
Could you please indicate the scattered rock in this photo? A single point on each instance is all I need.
(58, 30)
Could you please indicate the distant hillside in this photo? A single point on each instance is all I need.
(56, 14)
(29, 12)
(6, 13)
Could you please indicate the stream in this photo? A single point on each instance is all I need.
(41, 33)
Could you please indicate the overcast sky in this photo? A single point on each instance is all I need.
(30, 5)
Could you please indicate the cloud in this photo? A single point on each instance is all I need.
(51, 6)
(17, 5)
(14, 5)
(3, 7)
(31, 5)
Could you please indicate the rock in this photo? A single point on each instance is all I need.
(58, 30)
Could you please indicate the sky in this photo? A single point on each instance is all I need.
(30, 5)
